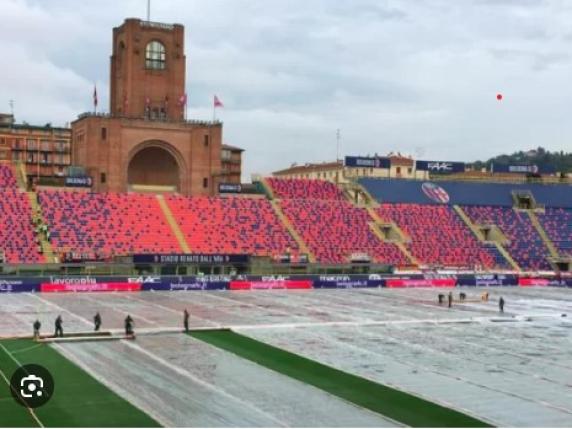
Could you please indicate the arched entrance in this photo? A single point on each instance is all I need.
(154, 166)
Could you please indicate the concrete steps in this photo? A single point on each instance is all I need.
(376, 224)
(545, 239)
(173, 224)
(290, 228)
(46, 246)
(481, 239)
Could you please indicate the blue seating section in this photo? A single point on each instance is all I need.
(525, 246)
(439, 237)
(466, 193)
(557, 223)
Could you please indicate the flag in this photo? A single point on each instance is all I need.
(166, 101)
(95, 96)
(183, 99)
(217, 102)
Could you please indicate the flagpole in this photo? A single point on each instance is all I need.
(214, 110)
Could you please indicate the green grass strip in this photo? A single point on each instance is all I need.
(79, 399)
(397, 405)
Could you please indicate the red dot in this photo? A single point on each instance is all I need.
(499, 97)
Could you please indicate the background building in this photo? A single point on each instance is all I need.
(145, 143)
(44, 151)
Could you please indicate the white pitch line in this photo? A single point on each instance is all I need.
(117, 310)
(172, 310)
(31, 410)
(61, 309)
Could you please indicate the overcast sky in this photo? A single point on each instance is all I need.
(415, 76)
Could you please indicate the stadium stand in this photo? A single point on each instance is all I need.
(109, 224)
(557, 222)
(305, 189)
(17, 239)
(525, 244)
(7, 177)
(467, 193)
(334, 230)
(231, 225)
(438, 235)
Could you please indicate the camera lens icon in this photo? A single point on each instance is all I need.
(32, 385)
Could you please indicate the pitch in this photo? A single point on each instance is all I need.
(510, 369)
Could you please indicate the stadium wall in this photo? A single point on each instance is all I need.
(464, 193)
(221, 282)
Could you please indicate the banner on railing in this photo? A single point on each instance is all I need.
(270, 284)
(437, 282)
(79, 181)
(440, 167)
(91, 287)
(199, 258)
(376, 162)
(522, 169)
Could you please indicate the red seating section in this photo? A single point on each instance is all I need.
(525, 246)
(7, 177)
(439, 236)
(231, 225)
(110, 224)
(17, 237)
(333, 230)
(305, 189)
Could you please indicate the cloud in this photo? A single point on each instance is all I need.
(416, 77)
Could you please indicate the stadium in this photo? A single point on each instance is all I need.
(373, 291)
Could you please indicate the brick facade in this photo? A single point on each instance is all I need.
(147, 111)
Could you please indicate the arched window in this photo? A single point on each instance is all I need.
(155, 55)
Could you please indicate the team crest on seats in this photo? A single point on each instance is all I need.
(435, 192)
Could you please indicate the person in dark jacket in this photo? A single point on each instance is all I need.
(37, 326)
(450, 299)
(128, 326)
(186, 320)
(97, 321)
(59, 328)
(501, 304)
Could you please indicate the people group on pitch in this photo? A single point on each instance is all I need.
(463, 297)
(97, 323)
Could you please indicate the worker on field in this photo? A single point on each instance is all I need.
(59, 329)
(441, 298)
(462, 296)
(186, 320)
(450, 299)
(37, 326)
(128, 326)
(97, 321)
(501, 304)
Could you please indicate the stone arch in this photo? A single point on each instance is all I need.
(158, 164)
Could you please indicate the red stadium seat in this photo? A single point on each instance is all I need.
(525, 244)
(335, 229)
(107, 223)
(17, 237)
(305, 189)
(438, 235)
(231, 225)
(7, 177)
